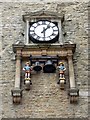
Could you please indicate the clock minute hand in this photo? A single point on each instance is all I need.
(45, 29)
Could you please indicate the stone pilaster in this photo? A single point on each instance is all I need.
(17, 92)
(71, 72)
(73, 92)
(27, 32)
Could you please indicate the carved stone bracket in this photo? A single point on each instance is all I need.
(62, 83)
(17, 95)
(27, 83)
(74, 94)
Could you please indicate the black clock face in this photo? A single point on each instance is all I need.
(44, 31)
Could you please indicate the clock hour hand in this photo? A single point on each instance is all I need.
(45, 29)
(43, 32)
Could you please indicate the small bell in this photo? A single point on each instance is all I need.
(49, 67)
(37, 67)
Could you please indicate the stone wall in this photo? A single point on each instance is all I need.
(45, 99)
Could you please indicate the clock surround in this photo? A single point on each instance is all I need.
(43, 15)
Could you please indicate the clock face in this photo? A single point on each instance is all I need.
(44, 31)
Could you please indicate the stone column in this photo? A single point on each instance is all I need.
(73, 92)
(71, 72)
(17, 74)
(17, 92)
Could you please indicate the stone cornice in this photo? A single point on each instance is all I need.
(43, 46)
(37, 49)
(42, 14)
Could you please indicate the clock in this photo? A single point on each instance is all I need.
(44, 31)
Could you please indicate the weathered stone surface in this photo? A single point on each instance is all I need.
(45, 99)
(47, 1)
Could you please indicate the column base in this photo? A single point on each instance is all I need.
(16, 95)
(74, 95)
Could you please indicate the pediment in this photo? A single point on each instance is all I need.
(42, 14)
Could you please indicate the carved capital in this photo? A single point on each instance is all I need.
(18, 54)
(69, 53)
(18, 57)
(17, 95)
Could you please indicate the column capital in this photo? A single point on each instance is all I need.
(27, 20)
(69, 57)
(18, 57)
(69, 53)
(18, 54)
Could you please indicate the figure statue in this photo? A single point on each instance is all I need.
(62, 69)
(27, 68)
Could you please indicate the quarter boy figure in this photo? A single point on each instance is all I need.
(62, 69)
(27, 70)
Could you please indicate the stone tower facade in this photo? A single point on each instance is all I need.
(45, 99)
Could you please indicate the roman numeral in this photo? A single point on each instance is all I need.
(33, 34)
(55, 30)
(38, 23)
(53, 34)
(31, 31)
(53, 26)
(38, 37)
(43, 22)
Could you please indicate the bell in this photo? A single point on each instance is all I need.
(37, 67)
(49, 67)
